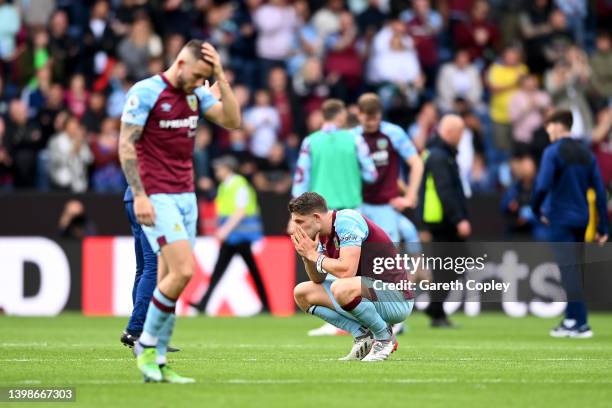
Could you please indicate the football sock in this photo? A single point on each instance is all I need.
(332, 317)
(164, 338)
(160, 309)
(366, 313)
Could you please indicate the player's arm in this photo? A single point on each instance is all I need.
(301, 179)
(544, 180)
(343, 267)
(600, 203)
(227, 112)
(140, 100)
(128, 136)
(368, 168)
(408, 152)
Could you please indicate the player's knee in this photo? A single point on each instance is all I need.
(300, 294)
(184, 269)
(342, 291)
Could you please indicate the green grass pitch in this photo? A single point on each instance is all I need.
(491, 361)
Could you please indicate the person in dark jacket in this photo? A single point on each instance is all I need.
(444, 206)
(567, 171)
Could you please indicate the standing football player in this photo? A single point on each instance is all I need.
(156, 144)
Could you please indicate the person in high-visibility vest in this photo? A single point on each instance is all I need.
(239, 227)
(444, 206)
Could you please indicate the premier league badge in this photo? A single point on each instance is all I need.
(193, 102)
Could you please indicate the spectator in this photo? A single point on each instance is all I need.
(535, 26)
(262, 122)
(310, 86)
(74, 222)
(602, 145)
(283, 101)
(69, 157)
(601, 61)
(239, 149)
(77, 96)
(63, 49)
(273, 173)
(459, 79)
(327, 19)
(343, 61)
(6, 161)
(33, 56)
(575, 12)
(424, 25)
(95, 113)
(307, 41)
(136, 49)
(243, 47)
(478, 34)
(10, 22)
(527, 107)
(54, 103)
(201, 160)
(119, 86)
(558, 40)
(390, 47)
(35, 93)
(276, 22)
(99, 40)
(107, 175)
(503, 81)
(567, 84)
(516, 200)
(371, 20)
(423, 129)
(24, 142)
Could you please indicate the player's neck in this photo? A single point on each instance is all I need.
(171, 76)
(326, 227)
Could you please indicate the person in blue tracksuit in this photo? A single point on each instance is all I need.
(145, 279)
(567, 170)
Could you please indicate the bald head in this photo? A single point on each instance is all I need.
(451, 128)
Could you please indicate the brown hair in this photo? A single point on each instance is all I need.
(369, 103)
(332, 108)
(563, 117)
(307, 204)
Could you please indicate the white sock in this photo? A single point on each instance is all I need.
(161, 360)
(147, 340)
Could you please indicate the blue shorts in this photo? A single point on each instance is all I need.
(390, 304)
(383, 215)
(176, 216)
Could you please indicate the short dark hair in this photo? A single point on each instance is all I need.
(332, 108)
(195, 48)
(369, 104)
(562, 117)
(307, 204)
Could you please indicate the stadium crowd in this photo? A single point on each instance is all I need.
(503, 65)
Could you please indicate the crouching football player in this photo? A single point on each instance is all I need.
(343, 243)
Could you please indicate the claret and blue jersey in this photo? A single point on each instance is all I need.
(169, 118)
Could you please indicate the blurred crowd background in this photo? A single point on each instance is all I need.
(503, 65)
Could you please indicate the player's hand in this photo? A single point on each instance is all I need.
(601, 239)
(211, 56)
(464, 229)
(214, 89)
(144, 210)
(304, 245)
(399, 203)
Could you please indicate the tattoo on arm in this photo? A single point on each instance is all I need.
(128, 137)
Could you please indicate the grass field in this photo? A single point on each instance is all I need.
(492, 360)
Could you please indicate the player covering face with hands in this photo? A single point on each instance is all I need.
(156, 145)
(340, 243)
